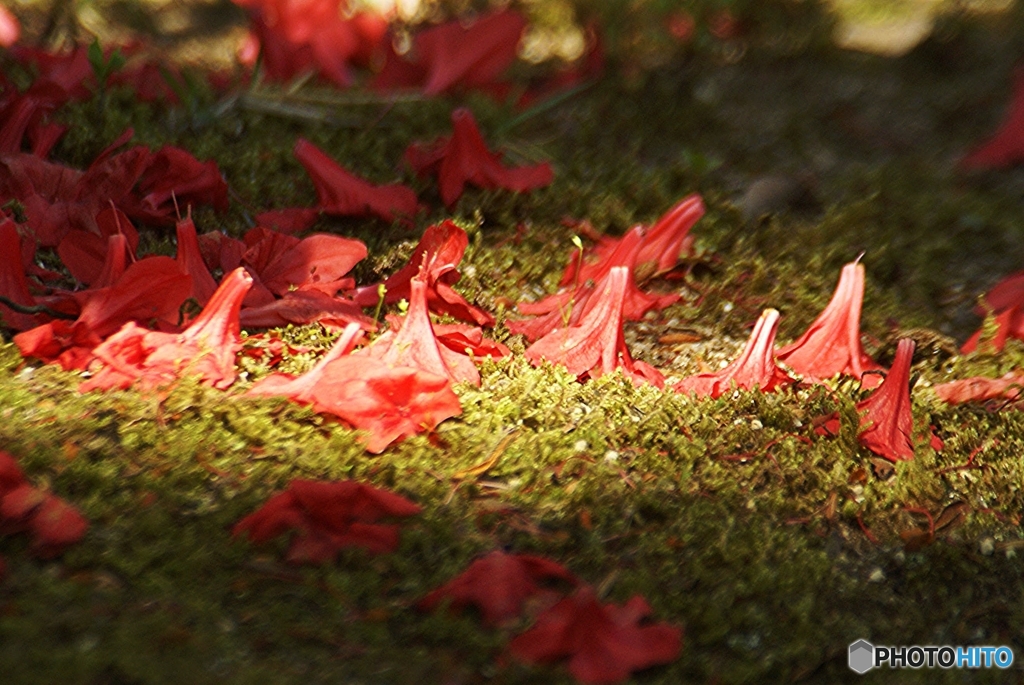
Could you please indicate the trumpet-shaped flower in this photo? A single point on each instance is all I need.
(755, 367)
(464, 158)
(831, 345)
(498, 585)
(886, 422)
(604, 643)
(595, 346)
(327, 517)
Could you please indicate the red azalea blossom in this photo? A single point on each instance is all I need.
(390, 403)
(151, 289)
(604, 643)
(301, 307)
(979, 389)
(298, 36)
(1006, 301)
(301, 388)
(328, 517)
(659, 249)
(595, 346)
(755, 367)
(436, 255)
(190, 260)
(416, 345)
(464, 158)
(89, 255)
(206, 349)
(551, 310)
(1006, 146)
(342, 193)
(455, 55)
(52, 523)
(497, 584)
(831, 345)
(886, 422)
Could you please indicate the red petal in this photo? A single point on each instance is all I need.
(278, 515)
(754, 368)
(341, 192)
(831, 345)
(1006, 146)
(18, 505)
(11, 475)
(55, 526)
(13, 284)
(190, 261)
(886, 423)
(497, 584)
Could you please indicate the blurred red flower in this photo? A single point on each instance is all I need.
(326, 517)
(604, 643)
(464, 158)
(454, 55)
(498, 584)
(1006, 146)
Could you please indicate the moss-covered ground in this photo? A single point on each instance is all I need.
(772, 546)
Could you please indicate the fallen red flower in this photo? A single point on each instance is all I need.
(831, 345)
(755, 367)
(456, 55)
(301, 388)
(206, 349)
(603, 642)
(298, 36)
(151, 289)
(886, 423)
(300, 307)
(328, 517)
(342, 193)
(190, 261)
(595, 346)
(658, 252)
(390, 403)
(1006, 146)
(52, 523)
(550, 312)
(317, 262)
(497, 584)
(416, 345)
(87, 255)
(1006, 301)
(13, 284)
(436, 256)
(979, 389)
(464, 158)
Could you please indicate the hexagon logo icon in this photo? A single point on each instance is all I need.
(862, 656)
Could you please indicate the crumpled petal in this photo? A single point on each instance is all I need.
(886, 424)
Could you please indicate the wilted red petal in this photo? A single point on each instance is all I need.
(755, 367)
(190, 261)
(467, 340)
(317, 260)
(278, 515)
(979, 389)
(831, 345)
(328, 516)
(887, 424)
(416, 345)
(464, 158)
(13, 284)
(437, 254)
(595, 346)
(55, 526)
(497, 584)
(341, 192)
(290, 221)
(604, 643)
(305, 306)
(299, 389)
(174, 178)
(454, 54)
(1006, 146)
(18, 505)
(11, 475)
(389, 402)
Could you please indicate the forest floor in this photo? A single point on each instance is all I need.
(774, 548)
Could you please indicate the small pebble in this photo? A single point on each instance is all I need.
(580, 446)
(987, 546)
(877, 575)
(611, 456)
